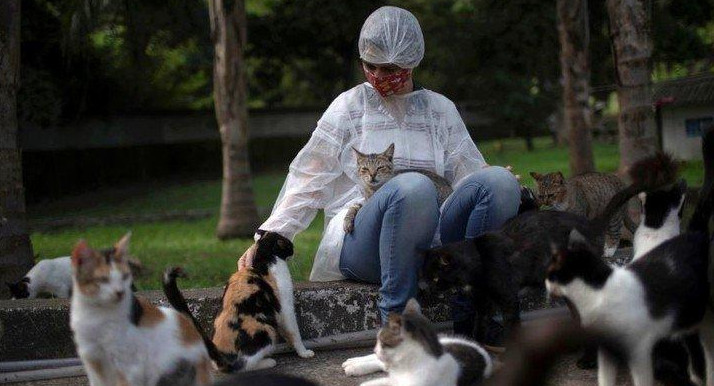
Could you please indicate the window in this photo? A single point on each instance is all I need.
(695, 126)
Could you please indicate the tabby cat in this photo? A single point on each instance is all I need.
(123, 339)
(375, 169)
(585, 195)
(413, 355)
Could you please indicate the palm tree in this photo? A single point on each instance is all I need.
(573, 32)
(632, 49)
(238, 216)
(15, 245)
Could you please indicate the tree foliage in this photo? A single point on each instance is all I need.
(103, 56)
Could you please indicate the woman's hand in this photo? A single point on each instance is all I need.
(246, 261)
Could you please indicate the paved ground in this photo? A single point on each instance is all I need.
(325, 369)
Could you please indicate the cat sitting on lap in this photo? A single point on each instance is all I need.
(375, 169)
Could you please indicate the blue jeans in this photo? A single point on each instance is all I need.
(401, 218)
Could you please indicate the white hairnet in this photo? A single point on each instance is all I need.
(391, 35)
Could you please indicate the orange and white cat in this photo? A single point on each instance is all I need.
(123, 339)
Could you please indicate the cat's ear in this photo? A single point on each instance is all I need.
(389, 153)
(284, 246)
(394, 322)
(412, 307)
(576, 238)
(559, 176)
(682, 185)
(536, 176)
(121, 248)
(81, 253)
(444, 259)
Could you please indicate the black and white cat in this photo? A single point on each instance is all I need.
(495, 266)
(51, 276)
(661, 217)
(664, 293)
(413, 355)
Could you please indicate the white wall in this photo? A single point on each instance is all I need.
(674, 132)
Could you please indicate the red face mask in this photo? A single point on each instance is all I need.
(388, 84)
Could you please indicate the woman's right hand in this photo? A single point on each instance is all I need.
(246, 261)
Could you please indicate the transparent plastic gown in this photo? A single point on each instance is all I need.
(427, 131)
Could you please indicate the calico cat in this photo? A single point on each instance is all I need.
(375, 169)
(123, 339)
(257, 304)
(586, 195)
(51, 276)
(413, 355)
(495, 266)
(664, 293)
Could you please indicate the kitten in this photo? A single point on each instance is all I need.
(495, 266)
(257, 303)
(586, 195)
(375, 169)
(412, 353)
(52, 276)
(664, 293)
(125, 340)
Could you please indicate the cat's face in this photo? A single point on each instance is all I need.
(551, 188)
(663, 205)
(20, 289)
(273, 244)
(374, 170)
(568, 263)
(405, 333)
(102, 276)
(441, 269)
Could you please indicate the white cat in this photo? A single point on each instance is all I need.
(413, 355)
(52, 276)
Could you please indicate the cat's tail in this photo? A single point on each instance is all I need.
(703, 211)
(224, 361)
(647, 174)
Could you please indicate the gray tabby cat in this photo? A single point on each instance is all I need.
(375, 169)
(585, 195)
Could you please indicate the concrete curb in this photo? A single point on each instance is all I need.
(39, 328)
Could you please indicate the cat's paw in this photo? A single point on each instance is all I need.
(348, 225)
(266, 363)
(355, 367)
(306, 353)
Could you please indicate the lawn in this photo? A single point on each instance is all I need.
(192, 244)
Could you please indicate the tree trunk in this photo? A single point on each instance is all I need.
(15, 247)
(632, 48)
(573, 32)
(238, 217)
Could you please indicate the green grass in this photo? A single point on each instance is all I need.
(193, 244)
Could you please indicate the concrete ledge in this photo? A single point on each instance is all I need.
(39, 328)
